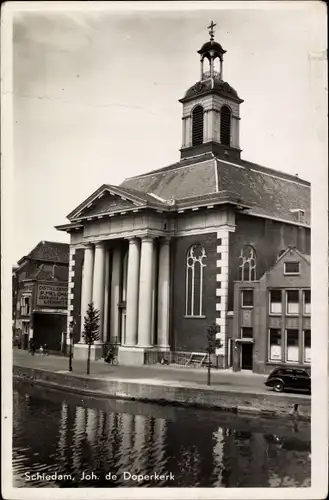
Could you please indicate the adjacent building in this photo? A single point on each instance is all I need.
(159, 254)
(40, 288)
(272, 316)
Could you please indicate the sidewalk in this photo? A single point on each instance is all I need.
(223, 379)
(228, 391)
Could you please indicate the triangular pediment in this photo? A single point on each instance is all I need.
(106, 200)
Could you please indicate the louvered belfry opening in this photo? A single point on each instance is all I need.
(197, 126)
(225, 126)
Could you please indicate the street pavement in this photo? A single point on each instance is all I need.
(162, 375)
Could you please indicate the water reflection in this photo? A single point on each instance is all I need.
(59, 433)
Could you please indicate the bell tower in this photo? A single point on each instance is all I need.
(211, 108)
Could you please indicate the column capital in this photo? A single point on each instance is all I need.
(88, 245)
(99, 244)
(147, 238)
(132, 239)
(165, 240)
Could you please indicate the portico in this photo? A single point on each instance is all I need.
(134, 316)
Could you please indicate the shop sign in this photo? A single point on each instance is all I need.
(52, 296)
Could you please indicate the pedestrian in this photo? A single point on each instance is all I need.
(45, 349)
(32, 346)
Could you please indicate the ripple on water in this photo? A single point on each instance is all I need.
(54, 432)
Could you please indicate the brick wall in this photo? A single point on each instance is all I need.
(189, 334)
(267, 238)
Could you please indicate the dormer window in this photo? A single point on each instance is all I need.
(300, 214)
(197, 126)
(291, 268)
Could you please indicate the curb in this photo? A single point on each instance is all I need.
(265, 405)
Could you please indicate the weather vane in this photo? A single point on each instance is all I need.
(211, 30)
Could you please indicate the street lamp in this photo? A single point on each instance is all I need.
(71, 329)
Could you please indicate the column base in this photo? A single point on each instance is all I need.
(80, 351)
(131, 356)
(162, 348)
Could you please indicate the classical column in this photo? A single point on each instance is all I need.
(115, 293)
(106, 294)
(87, 283)
(99, 284)
(163, 293)
(132, 292)
(154, 292)
(145, 293)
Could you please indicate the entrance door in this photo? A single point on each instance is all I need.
(246, 356)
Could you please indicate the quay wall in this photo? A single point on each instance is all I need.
(263, 404)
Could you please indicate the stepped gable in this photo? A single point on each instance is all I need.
(270, 193)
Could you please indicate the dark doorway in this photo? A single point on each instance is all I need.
(246, 356)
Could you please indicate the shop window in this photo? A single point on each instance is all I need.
(247, 298)
(292, 302)
(247, 332)
(307, 346)
(194, 280)
(291, 268)
(275, 350)
(307, 302)
(275, 301)
(247, 264)
(292, 351)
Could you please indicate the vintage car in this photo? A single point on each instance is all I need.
(292, 379)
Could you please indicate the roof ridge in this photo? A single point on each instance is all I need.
(272, 171)
(185, 162)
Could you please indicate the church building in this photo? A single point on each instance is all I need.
(159, 254)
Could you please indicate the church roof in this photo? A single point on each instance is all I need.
(211, 85)
(268, 192)
(211, 45)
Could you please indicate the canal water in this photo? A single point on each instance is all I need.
(63, 440)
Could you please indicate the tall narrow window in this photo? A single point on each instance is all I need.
(25, 306)
(247, 298)
(247, 264)
(197, 126)
(307, 302)
(275, 352)
(225, 126)
(307, 346)
(292, 353)
(194, 280)
(275, 301)
(292, 302)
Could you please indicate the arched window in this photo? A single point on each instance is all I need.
(194, 280)
(247, 264)
(225, 126)
(197, 126)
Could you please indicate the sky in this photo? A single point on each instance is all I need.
(96, 94)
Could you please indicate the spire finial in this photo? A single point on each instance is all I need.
(211, 30)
